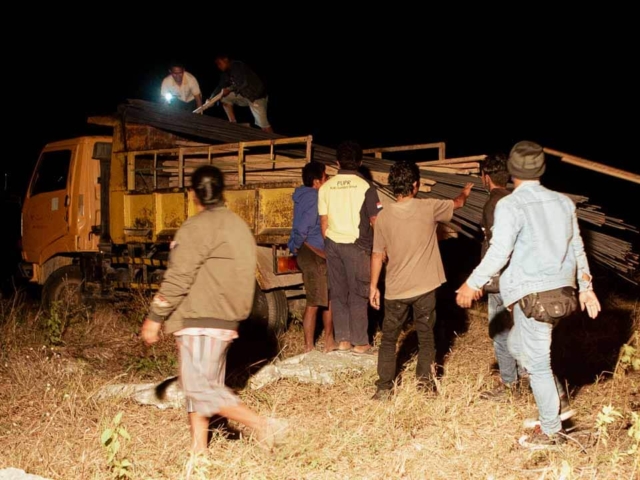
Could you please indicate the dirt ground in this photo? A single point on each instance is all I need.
(52, 364)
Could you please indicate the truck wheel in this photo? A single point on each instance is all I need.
(63, 285)
(271, 308)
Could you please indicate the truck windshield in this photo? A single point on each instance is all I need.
(53, 169)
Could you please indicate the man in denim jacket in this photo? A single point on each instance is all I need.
(537, 229)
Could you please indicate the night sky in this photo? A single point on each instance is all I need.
(383, 78)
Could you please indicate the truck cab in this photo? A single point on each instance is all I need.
(61, 207)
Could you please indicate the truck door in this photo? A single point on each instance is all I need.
(45, 213)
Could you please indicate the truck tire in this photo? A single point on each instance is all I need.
(63, 285)
(271, 309)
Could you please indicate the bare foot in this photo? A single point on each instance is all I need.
(362, 348)
(344, 346)
(308, 349)
(329, 346)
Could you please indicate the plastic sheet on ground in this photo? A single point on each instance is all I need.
(18, 474)
(145, 394)
(313, 367)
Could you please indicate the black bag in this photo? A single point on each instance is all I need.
(550, 306)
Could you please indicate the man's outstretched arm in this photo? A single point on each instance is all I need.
(461, 199)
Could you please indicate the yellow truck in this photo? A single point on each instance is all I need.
(100, 211)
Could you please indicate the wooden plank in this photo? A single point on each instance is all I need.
(453, 166)
(383, 179)
(403, 148)
(451, 171)
(251, 178)
(331, 170)
(131, 172)
(250, 164)
(277, 141)
(380, 177)
(228, 147)
(452, 161)
(594, 166)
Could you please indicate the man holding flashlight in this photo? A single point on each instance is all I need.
(180, 89)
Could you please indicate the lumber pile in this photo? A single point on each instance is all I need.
(601, 244)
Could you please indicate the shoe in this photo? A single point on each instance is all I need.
(382, 394)
(566, 412)
(502, 392)
(273, 434)
(538, 439)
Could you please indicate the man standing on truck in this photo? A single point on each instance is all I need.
(348, 205)
(206, 292)
(307, 243)
(536, 232)
(406, 233)
(180, 89)
(241, 86)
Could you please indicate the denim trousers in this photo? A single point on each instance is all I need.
(530, 344)
(500, 324)
(396, 313)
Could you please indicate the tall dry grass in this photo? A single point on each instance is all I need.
(51, 421)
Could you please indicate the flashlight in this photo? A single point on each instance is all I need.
(168, 97)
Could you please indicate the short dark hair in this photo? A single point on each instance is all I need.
(312, 171)
(175, 64)
(402, 176)
(349, 154)
(207, 182)
(495, 165)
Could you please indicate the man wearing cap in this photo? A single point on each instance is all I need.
(536, 232)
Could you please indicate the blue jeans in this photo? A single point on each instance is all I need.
(500, 324)
(530, 344)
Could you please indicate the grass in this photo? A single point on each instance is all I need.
(51, 422)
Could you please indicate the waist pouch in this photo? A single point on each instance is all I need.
(550, 306)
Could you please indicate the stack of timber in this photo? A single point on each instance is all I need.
(609, 241)
(603, 236)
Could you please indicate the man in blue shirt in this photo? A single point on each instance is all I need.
(307, 243)
(536, 231)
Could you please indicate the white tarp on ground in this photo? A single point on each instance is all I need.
(144, 394)
(17, 474)
(312, 367)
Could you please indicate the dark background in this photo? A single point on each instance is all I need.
(477, 78)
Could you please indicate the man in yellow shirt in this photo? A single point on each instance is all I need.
(348, 205)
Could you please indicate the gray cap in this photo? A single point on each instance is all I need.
(526, 161)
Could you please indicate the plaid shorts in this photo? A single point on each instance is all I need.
(203, 361)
